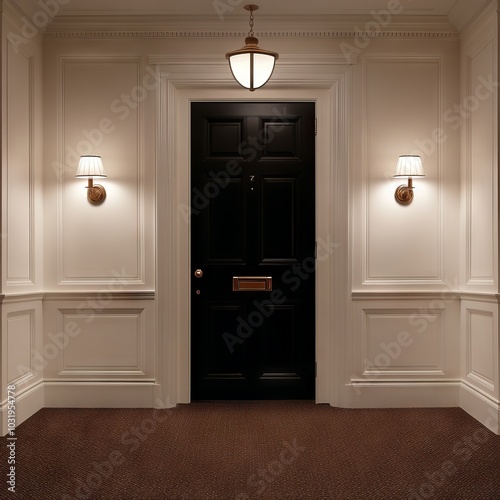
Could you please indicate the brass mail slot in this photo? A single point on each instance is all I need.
(252, 284)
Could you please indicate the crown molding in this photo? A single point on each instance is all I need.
(276, 34)
(286, 26)
(13, 6)
(465, 12)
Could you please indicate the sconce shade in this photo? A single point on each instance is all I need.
(409, 166)
(90, 166)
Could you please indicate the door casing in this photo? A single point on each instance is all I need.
(175, 92)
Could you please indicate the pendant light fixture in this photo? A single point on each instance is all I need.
(251, 66)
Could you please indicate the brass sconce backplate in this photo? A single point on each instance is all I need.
(404, 195)
(96, 194)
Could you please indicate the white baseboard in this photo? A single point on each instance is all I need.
(402, 394)
(99, 395)
(360, 394)
(27, 404)
(479, 405)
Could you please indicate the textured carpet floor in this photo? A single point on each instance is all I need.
(254, 450)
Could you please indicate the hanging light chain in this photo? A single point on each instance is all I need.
(251, 22)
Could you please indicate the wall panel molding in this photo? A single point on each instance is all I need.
(446, 295)
(401, 342)
(479, 58)
(112, 344)
(19, 159)
(427, 266)
(480, 346)
(21, 342)
(99, 336)
(104, 296)
(68, 274)
(20, 297)
(493, 298)
(22, 332)
(22, 327)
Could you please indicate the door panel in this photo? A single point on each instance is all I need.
(278, 220)
(252, 216)
(226, 225)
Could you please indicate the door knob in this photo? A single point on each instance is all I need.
(198, 273)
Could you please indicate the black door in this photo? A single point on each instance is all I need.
(252, 250)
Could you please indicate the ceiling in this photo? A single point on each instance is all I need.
(432, 7)
(456, 12)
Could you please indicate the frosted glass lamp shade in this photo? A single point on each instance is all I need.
(409, 166)
(90, 166)
(252, 66)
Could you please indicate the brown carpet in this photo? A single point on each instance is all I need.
(254, 450)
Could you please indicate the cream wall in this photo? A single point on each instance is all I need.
(405, 278)
(22, 217)
(480, 389)
(399, 92)
(407, 301)
(99, 260)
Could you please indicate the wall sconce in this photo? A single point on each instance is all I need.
(91, 166)
(251, 66)
(408, 166)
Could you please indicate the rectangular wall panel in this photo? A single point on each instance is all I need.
(102, 114)
(399, 342)
(20, 168)
(479, 108)
(480, 344)
(402, 109)
(20, 344)
(404, 338)
(99, 336)
(111, 341)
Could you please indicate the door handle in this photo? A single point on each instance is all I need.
(198, 273)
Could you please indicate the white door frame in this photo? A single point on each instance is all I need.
(324, 80)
